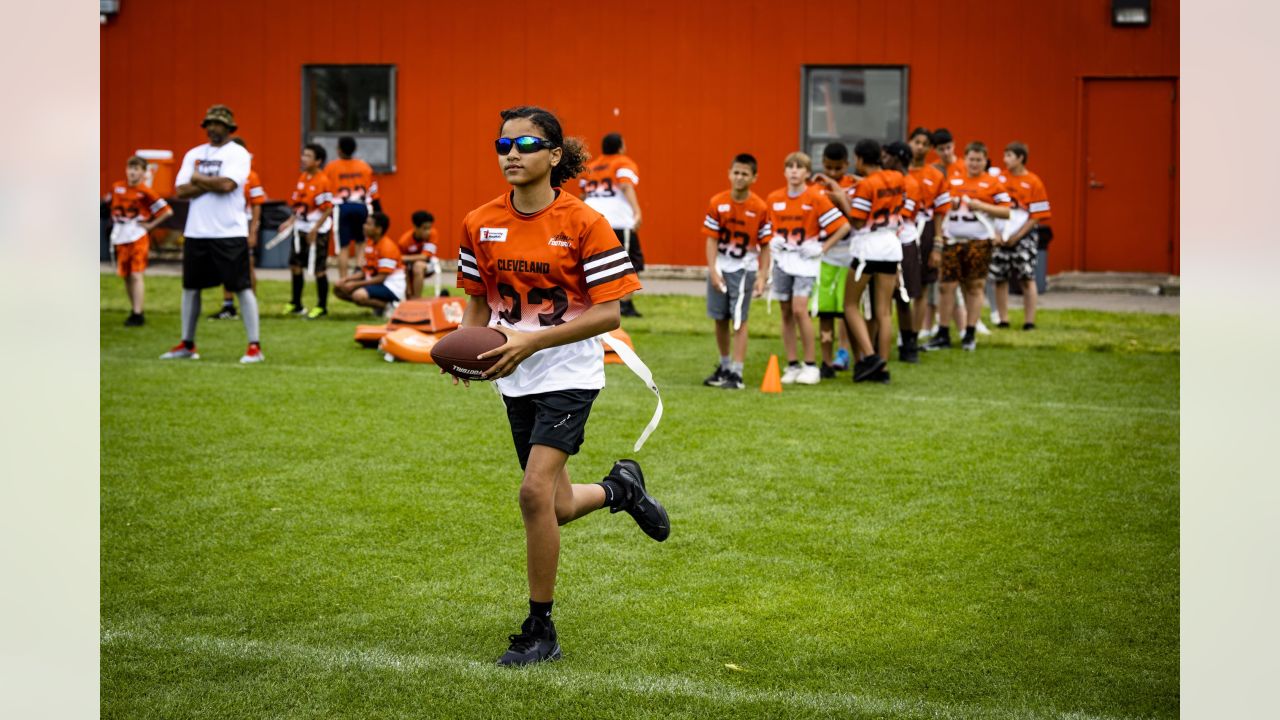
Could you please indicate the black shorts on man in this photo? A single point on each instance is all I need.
(209, 262)
(556, 419)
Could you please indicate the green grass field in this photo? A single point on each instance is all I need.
(326, 535)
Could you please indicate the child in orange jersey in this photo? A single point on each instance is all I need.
(963, 244)
(935, 200)
(381, 283)
(311, 202)
(417, 248)
(834, 270)
(609, 186)
(736, 227)
(1017, 255)
(255, 196)
(875, 212)
(135, 212)
(355, 195)
(548, 272)
(896, 159)
(802, 217)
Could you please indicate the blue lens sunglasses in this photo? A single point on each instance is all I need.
(525, 144)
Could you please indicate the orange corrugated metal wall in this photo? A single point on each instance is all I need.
(693, 83)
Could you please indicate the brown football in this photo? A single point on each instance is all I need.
(456, 352)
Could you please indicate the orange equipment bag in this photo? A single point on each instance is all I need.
(429, 315)
(611, 357)
(409, 345)
(370, 335)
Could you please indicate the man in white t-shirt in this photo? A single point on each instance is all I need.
(216, 249)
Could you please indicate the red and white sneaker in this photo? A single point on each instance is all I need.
(253, 354)
(180, 352)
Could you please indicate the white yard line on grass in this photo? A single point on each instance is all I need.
(569, 679)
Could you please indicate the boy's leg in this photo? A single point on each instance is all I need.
(788, 330)
(827, 338)
(722, 337)
(740, 347)
(190, 314)
(804, 324)
(1002, 300)
(361, 297)
(137, 291)
(1029, 297)
(322, 271)
(947, 303)
(417, 277)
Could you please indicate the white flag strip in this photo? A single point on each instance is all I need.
(637, 366)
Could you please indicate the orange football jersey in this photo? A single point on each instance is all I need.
(961, 223)
(254, 193)
(381, 257)
(311, 201)
(933, 188)
(601, 187)
(410, 245)
(543, 269)
(807, 216)
(738, 227)
(878, 200)
(351, 180)
(1029, 194)
(134, 202)
(912, 197)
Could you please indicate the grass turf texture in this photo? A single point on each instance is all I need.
(994, 535)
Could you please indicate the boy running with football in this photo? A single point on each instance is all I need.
(548, 272)
(801, 217)
(737, 229)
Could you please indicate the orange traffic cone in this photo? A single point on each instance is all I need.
(772, 378)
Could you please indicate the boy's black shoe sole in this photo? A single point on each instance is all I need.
(646, 511)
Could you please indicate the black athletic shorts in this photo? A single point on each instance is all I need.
(351, 217)
(911, 270)
(877, 267)
(556, 419)
(632, 246)
(928, 275)
(210, 262)
(299, 255)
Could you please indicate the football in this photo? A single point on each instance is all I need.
(456, 352)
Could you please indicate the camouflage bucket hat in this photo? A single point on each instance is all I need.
(219, 113)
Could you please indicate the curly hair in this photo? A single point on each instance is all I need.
(574, 155)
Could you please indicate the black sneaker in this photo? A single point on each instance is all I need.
(732, 381)
(969, 344)
(826, 372)
(938, 343)
(228, 312)
(909, 352)
(1028, 326)
(647, 512)
(628, 309)
(135, 320)
(1002, 325)
(881, 377)
(717, 378)
(536, 643)
(868, 366)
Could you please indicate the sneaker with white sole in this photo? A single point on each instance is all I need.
(809, 375)
(790, 374)
(181, 352)
(253, 354)
(983, 329)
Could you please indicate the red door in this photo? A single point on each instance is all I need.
(1130, 174)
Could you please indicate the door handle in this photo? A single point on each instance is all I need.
(1096, 185)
